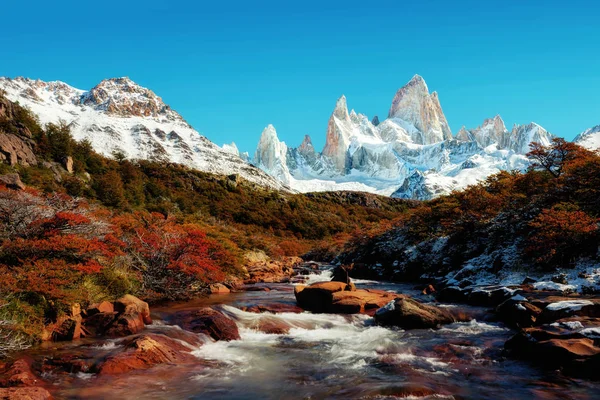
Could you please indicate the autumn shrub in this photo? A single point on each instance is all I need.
(560, 234)
(171, 257)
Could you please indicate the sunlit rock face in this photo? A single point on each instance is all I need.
(414, 105)
(411, 154)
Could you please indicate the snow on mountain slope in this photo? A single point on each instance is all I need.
(590, 138)
(117, 115)
(411, 154)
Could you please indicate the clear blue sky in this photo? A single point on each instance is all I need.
(232, 67)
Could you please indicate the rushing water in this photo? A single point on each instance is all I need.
(330, 356)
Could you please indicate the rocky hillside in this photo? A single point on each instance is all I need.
(118, 115)
(542, 224)
(412, 154)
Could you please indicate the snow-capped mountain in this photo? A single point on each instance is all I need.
(590, 138)
(411, 154)
(119, 115)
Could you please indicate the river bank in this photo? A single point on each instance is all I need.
(283, 352)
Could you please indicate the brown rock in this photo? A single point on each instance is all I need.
(12, 181)
(274, 308)
(131, 304)
(144, 352)
(210, 322)
(408, 313)
(219, 288)
(16, 150)
(360, 301)
(318, 297)
(68, 164)
(25, 393)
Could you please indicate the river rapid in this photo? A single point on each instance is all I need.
(325, 356)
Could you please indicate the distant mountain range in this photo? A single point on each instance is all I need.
(411, 154)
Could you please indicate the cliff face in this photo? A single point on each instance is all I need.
(413, 104)
(16, 139)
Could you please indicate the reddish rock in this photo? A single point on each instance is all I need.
(71, 364)
(210, 322)
(103, 307)
(129, 304)
(360, 301)
(273, 326)
(219, 288)
(97, 324)
(144, 352)
(128, 323)
(274, 308)
(408, 313)
(19, 373)
(25, 393)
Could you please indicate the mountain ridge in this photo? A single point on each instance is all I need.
(118, 115)
(411, 154)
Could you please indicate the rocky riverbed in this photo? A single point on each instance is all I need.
(359, 339)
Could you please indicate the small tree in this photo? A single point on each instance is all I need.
(554, 157)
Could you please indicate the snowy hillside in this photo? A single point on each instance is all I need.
(117, 115)
(411, 154)
(590, 138)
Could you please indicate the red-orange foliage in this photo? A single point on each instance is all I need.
(47, 260)
(171, 256)
(560, 234)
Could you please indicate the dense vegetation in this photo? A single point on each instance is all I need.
(116, 226)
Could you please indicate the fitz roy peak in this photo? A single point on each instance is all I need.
(117, 115)
(411, 154)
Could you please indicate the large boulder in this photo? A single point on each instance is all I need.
(360, 301)
(219, 288)
(408, 313)
(517, 312)
(558, 308)
(209, 322)
(16, 150)
(128, 323)
(12, 181)
(129, 304)
(144, 352)
(318, 297)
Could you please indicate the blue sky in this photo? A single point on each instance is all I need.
(232, 67)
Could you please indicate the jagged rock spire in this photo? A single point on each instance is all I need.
(413, 104)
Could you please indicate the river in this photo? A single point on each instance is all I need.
(326, 356)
